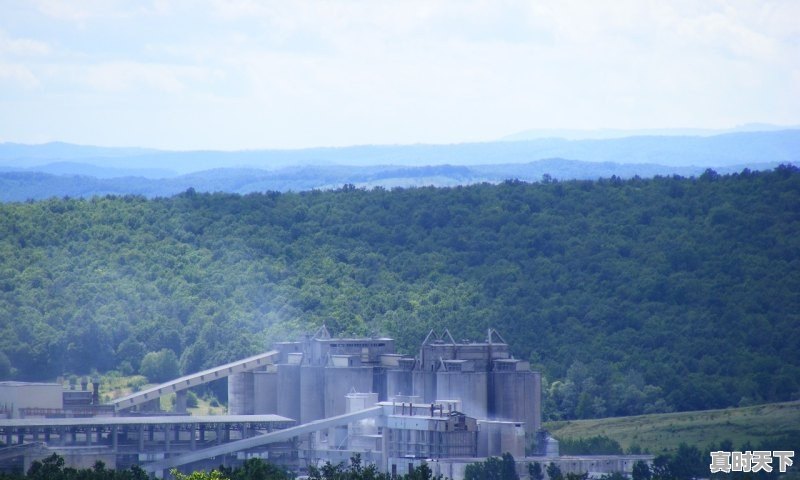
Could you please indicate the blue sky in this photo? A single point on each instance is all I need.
(245, 74)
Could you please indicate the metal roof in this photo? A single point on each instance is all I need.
(153, 420)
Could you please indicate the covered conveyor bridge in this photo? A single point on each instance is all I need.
(195, 379)
(260, 440)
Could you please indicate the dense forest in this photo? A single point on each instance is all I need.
(631, 296)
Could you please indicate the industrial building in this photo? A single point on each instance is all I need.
(315, 374)
(304, 403)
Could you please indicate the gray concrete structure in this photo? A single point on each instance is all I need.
(400, 379)
(512, 384)
(313, 376)
(341, 380)
(288, 392)
(312, 398)
(498, 437)
(16, 397)
(241, 394)
(470, 387)
(482, 375)
(265, 386)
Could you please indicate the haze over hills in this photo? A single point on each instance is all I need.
(717, 150)
(19, 186)
(609, 133)
(59, 169)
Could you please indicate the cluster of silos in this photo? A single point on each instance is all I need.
(312, 378)
(482, 375)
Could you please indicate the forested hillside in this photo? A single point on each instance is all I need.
(632, 296)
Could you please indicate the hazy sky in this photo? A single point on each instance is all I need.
(284, 74)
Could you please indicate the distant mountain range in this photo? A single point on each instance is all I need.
(60, 169)
(609, 133)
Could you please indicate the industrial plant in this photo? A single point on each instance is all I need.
(303, 403)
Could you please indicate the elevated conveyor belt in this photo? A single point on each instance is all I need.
(188, 381)
(259, 440)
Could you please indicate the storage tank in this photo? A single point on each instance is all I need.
(265, 387)
(312, 404)
(514, 397)
(289, 391)
(240, 393)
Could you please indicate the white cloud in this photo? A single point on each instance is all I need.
(19, 75)
(305, 73)
(127, 76)
(80, 11)
(22, 46)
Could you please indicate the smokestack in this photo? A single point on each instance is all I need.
(95, 391)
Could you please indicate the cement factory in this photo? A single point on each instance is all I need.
(316, 400)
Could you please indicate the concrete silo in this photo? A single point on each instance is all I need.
(458, 380)
(265, 389)
(513, 393)
(289, 387)
(240, 394)
(312, 383)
